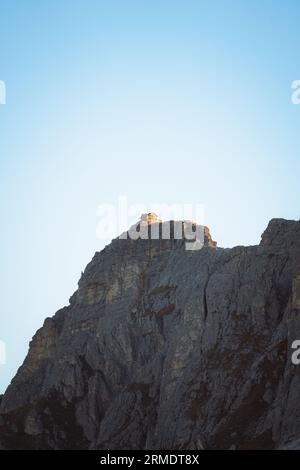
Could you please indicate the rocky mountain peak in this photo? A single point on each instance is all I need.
(161, 348)
(170, 233)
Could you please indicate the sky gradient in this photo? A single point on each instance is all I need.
(159, 101)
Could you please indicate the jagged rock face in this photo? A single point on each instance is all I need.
(162, 348)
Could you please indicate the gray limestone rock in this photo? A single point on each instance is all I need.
(166, 348)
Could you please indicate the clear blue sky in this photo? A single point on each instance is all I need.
(102, 93)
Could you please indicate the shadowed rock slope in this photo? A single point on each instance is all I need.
(164, 348)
